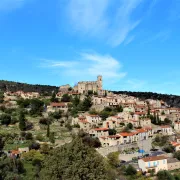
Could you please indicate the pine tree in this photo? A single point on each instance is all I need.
(22, 121)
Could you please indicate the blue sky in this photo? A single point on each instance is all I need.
(134, 44)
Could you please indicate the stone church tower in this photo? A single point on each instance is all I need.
(99, 82)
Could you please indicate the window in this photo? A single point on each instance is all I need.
(164, 161)
(149, 164)
(154, 163)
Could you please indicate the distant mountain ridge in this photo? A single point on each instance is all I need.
(171, 100)
(17, 86)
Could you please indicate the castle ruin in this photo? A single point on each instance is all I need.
(84, 86)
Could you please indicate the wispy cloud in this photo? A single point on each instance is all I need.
(93, 18)
(47, 63)
(9, 5)
(123, 23)
(161, 36)
(88, 66)
(129, 40)
(87, 16)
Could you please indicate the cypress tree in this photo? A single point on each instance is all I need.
(22, 121)
(48, 130)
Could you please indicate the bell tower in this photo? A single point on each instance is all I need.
(99, 82)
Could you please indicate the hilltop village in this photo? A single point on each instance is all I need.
(145, 133)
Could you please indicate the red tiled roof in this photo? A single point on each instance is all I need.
(15, 152)
(175, 144)
(58, 104)
(81, 117)
(141, 130)
(93, 115)
(114, 136)
(148, 128)
(140, 113)
(126, 134)
(101, 129)
(83, 121)
(165, 126)
(153, 158)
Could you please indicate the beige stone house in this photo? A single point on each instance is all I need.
(177, 126)
(128, 137)
(145, 122)
(135, 123)
(111, 140)
(111, 124)
(175, 116)
(58, 106)
(99, 132)
(156, 163)
(94, 119)
(166, 130)
(85, 125)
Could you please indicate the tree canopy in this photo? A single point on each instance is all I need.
(74, 161)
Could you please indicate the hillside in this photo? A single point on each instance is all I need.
(16, 86)
(172, 100)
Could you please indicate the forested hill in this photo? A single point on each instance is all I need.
(16, 86)
(172, 100)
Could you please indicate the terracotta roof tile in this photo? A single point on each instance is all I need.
(153, 158)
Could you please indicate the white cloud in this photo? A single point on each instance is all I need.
(88, 66)
(92, 18)
(56, 64)
(123, 24)
(9, 5)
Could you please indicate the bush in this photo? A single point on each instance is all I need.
(14, 120)
(112, 132)
(33, 155)
(177, 155)
(168, 149)
(161, 140)
(130, 170)
(28, 136)
(113, 159)
(91, 142)
(34, 145)
(45, 121)
(45, 148)
(76, 126)
(5, 119)
(39, 137)
(9, 110)
(164, 175)
(69, 127)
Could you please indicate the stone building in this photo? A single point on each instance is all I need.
(64, 88)
(84, 86)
